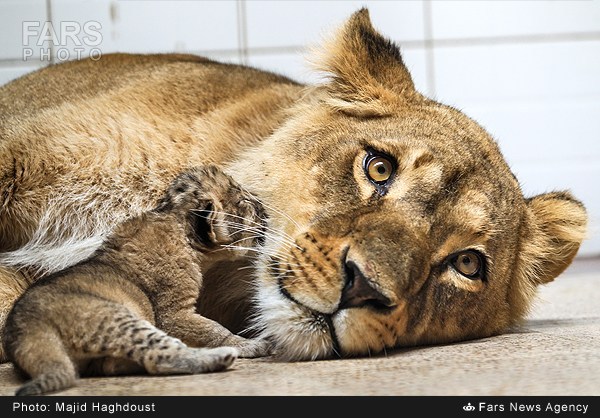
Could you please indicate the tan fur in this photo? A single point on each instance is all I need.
(131, 305)
(348, 266)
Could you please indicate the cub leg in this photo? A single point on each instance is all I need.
(231, 223)
(12, 285)
(196, 330)
(111, 331)
(160, 353)
(136, 339)
(48, 364)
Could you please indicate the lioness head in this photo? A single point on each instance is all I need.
(394, 220)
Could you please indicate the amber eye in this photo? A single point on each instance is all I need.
(379, 168)
(468, 263)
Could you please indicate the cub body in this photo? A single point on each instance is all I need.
(131, 306)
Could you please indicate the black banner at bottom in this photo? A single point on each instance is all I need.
(265, 406)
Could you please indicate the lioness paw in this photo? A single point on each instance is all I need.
(249, 347)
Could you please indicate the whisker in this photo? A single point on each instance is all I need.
(246, 267)
(336, 352)
(258, 224)
(286, 238)
(263, 228)
(244, 228)
(280, 212)
(259, 227)
(273, 265)
(260, 251)
(287, 264)
(233, 245)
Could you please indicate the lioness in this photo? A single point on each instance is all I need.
(393, 220)
(131, 306)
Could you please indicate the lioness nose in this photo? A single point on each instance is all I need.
(358, 292)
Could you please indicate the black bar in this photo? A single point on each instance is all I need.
(300, 406)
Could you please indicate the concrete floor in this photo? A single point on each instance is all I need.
(557, 352)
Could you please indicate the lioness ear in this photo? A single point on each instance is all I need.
(368, 76)
(557, 223)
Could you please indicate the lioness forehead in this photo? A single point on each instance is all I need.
(440, 154)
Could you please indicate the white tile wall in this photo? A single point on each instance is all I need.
(8, 73)
(416, 61)
(552, 131)
(154, 26)
(529, 71)
(518, 72)
(579, 176)
(293, 65)
(181, 26)
(14, 14)
(298, 23)
(95, 19)
(492, 18)
(296, 66)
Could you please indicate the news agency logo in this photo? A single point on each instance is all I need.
(61, 42)
(468, 407)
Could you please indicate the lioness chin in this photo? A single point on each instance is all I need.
(393, 220)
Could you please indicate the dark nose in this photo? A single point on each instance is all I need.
(358, 292)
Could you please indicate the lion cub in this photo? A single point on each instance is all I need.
(131, 306)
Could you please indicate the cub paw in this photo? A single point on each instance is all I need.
(213, 359)
(219, 212)
(193, 361)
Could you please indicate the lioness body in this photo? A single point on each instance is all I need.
(68, 183)
(393, 219)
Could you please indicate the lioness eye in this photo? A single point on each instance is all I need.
(468, 263)
(378, 168)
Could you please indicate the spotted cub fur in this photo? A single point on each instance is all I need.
(131, 306)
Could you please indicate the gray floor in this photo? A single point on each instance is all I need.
(556, 353)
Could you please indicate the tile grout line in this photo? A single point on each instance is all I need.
(49, 19)
(429, 48)
(242, 32)
(537, 38)
(243, 50)
(406, 44)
